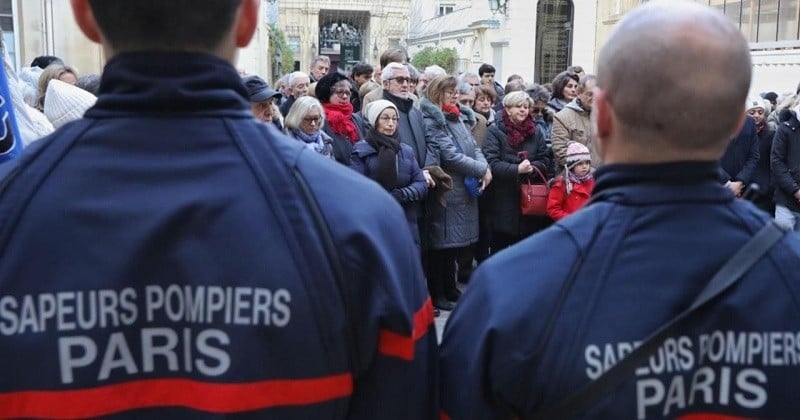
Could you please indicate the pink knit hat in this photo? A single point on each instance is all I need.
(576, 153)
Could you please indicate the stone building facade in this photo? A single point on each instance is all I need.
(771, 26)
(347, 31)
(536, 39)
(46, 27)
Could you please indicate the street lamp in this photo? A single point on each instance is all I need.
(498, 6)
(375, 50)
(313, 49)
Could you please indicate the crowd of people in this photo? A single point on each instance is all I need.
(473, 140)
(180, 238)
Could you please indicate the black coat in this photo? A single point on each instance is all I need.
(342, 147)
(763, 175)
(506, 179)
(741, 156)
(786, 163)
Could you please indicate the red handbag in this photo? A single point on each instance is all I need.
(533, 197)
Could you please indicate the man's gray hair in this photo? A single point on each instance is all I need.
(300, 108)
(465, 88)
(294, 76)
(538, 93)
(412, 71)
(324, 58)
(432, 71)
(388, 71)
(463, 76)
(584, 80)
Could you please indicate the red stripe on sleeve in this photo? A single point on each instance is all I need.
(710, 416)
(443, 415)
(401, 346)
(153, 393)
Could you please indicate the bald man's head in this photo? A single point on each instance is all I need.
(675, 74)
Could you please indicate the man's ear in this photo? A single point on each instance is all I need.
(85, 20)
(247, 22)
(602, 113)
(602, 120)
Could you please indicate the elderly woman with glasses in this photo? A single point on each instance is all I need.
(392, 164)
(343, 126)
(454, 223)
(304, 122)
(517, 152)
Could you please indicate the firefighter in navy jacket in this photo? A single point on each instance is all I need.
(551, 314)
(168, 256)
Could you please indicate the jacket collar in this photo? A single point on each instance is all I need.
(433, 110)
(170, 83)
(573, 105)
(674, 181)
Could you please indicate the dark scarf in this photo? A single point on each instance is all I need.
(403, 105)
(340, 118)
(387, 148)
(518, 132)
(760, 126)
(451, 112)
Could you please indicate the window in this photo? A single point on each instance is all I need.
(762, 20)
(445, 9)
(553, 38)
(9, 29)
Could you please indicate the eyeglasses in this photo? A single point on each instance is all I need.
(401, 79)
(451, 92)
(474, 84)
(537, 110)
(312, 120)
(342, 93)
(387, 118)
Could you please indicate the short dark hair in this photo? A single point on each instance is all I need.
(43, 61)
(172, 25)
(513, 77)
(561, 80)
(486, 68)
(361, 69)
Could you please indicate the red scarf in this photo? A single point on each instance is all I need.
(340, 118)
(518, 132)
(451, 109)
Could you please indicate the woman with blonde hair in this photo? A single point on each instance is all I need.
(304, 123)
(453, 226)
(60, 72)
(517, 151)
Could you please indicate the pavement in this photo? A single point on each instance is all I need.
(441, 320)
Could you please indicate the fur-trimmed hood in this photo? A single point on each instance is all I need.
(432, 110)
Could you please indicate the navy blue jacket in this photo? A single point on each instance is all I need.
(640, 255)
(409, 176)
(740, 161)
(161, 260)
(786, 163)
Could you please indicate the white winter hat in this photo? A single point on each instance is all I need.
(64, 102)
(758, 102)
(375, 108)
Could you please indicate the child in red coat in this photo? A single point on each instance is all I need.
(571, 191)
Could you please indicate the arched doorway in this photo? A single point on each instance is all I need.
(553, 38)
(342, 37)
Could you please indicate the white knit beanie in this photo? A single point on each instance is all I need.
(375, 108)
(64, 102)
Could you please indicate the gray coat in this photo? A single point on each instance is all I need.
(455, 225)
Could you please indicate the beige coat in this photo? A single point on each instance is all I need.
(572, 124)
